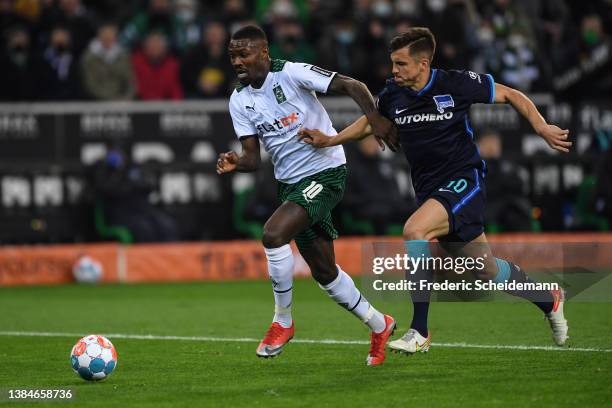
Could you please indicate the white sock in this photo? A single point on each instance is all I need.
(345, 293)
(280, 269)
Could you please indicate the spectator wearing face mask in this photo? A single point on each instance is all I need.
(587, 61)
(374, 39)
(62, 66)
(290, 43)
(106, 68)
(592, 34)
(11, 20)
(156, 71)
(206, 71)
(159, 17)
(235, 14)
(270, 12)
(73, 16)
(190, 23)
(23, 71)
(510, 47)
(339, 49)
(594, 42)
(453, 21)
(519, 64)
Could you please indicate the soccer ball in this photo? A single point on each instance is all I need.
(93, 357)
(87, 270)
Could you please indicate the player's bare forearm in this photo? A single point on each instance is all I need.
(357, 130)
(554, 136)
(246, 162)
(343, 85)
(522, 104)
(382, 128)
(250, 157)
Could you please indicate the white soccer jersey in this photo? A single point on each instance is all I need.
(278, 110)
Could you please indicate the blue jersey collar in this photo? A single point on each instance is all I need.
(432, 78)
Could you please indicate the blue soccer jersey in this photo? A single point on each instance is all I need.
(433, 125)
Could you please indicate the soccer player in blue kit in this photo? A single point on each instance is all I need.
(430, 110)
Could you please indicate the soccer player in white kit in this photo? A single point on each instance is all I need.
(272, 102)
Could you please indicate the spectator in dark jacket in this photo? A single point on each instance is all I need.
(508, 207)
(158, 17)
(206, 71)
(10, 20)
(290, 43)
(62, 66)
(372, 192)
(122, 189)
(156, 71)
(23, 72)
(74, 17)
(106, 67)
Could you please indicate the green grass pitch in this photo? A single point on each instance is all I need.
(198, 373)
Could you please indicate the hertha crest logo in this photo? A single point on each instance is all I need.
(443, 102)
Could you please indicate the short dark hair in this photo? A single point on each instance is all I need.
(250, 32)
(417, 39)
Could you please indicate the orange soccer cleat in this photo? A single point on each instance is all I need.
(376, 356)
(274, 341)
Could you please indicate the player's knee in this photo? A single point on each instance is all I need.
(412, 232)
(273, 238)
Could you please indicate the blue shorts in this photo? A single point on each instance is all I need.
(464, 197)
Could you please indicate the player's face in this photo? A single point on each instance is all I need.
(249, 59)
(408, 70)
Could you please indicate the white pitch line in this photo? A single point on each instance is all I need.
(303, 341)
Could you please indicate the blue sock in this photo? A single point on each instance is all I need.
(503, 271)
(543, 299)
(420, 298)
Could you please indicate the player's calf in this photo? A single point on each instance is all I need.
(345, 293)
(550, 302)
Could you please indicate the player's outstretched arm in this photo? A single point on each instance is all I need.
(554, 136)
(247, 161)
(382, 128)
(357, 130)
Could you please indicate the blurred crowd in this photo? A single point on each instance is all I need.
(176, 49)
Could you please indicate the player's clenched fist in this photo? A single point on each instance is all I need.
(227, 162)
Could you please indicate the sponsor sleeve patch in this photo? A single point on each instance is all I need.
(321, 71)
